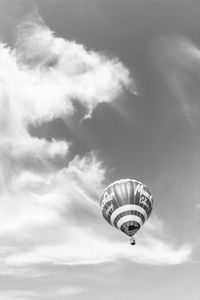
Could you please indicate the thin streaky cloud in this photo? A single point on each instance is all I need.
(178, 59)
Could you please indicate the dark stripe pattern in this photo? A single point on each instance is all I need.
(126, 213)
(124, 192)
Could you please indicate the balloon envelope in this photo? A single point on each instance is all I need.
(126, 204)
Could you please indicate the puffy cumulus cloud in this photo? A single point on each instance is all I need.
(68, 69)
(39, 80)
(179, 61)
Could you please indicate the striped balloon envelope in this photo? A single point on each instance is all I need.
(126, 204)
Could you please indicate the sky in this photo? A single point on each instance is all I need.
(91, 92)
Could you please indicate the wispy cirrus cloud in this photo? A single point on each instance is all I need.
(178, 59)
(51, 214)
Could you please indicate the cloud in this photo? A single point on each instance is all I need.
(17, 295)
(73, 242)
(50, 214)
(96, 248)
(178, 59)
(68, 291)
(70, 70)
(44, 294)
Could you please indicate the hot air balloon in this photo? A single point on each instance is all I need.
(126, 204)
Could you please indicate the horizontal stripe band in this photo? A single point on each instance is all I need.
(128, 213)
(124, 208)
(127, 219)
